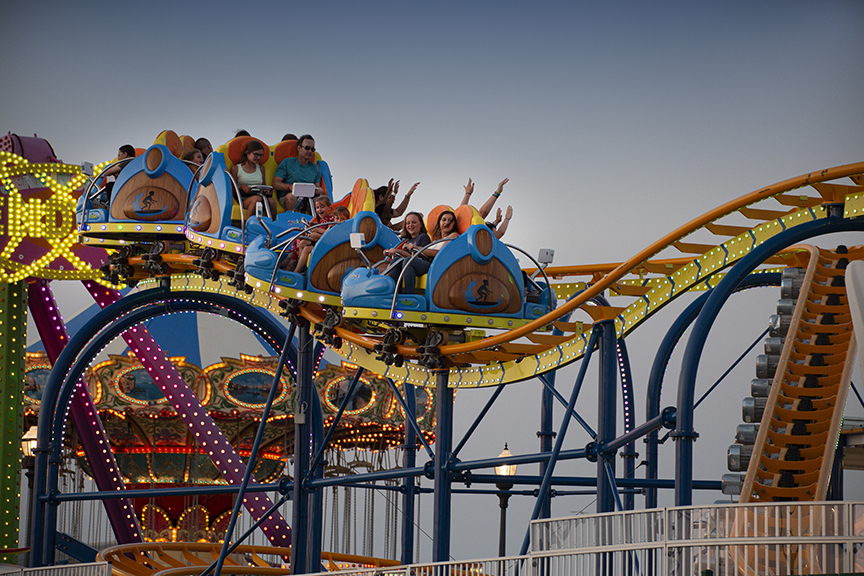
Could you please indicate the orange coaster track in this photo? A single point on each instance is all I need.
(499, 356)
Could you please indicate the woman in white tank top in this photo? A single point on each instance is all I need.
(249, 172)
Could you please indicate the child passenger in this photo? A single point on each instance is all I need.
(323, 214)
(341, 214)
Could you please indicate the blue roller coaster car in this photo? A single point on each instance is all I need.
(474, 274)
(210, 222)
(331, 258)
(147, 203)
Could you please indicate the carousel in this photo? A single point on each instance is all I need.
(153, 447)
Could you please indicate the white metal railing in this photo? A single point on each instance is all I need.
(722, 540)
(780, 538)
(508, 566)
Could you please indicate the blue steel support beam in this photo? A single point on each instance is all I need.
(610, 476)
(409, 460)
(562, 432)
(666, 419)
(314, 537)
(256, 444)
(606, 413)
(661, 361)
(628, 408)
(412, 421)
(548, 387)
(546, 434)
(319, 453)
(685, 434)
(478, 419)
(300, 521)
(629, 453)
(591, 481)
(443, 482)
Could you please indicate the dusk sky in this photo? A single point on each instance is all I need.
(615, 122)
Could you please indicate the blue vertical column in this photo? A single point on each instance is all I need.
(409, 460)
(316, 530)
(443, 452)
(300, 521)
(607, 411)
(546, 434)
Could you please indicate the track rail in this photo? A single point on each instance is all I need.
(794, 450)
(646, 282)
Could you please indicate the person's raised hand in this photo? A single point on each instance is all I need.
(469, 188)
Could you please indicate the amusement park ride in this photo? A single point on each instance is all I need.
(174, 231)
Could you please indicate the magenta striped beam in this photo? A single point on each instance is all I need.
(94, 441)
(208, 435)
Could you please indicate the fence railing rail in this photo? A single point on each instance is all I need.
(721, 540)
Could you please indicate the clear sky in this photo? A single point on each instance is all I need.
(615, 121)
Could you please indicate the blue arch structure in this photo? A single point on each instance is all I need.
(661, 361)
(685, 434)
(104, 327)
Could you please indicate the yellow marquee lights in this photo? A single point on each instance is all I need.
(51, 220)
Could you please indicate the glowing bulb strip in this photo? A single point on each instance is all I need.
(208, 242)
(13, 342)
(26, 216)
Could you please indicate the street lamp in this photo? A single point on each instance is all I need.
(504, 471)
(28, 442)
(28, 463)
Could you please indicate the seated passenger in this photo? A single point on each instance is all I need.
(303, 168)
(241, 132)
(323, 214)
(341, 214)
(195, 157)
(300, 249)
(487, 206)
(203, 144)
(385, 196)
(445, 229)
(249, 172)
(125, 152)
(414, 236)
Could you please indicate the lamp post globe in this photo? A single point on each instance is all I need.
(504, 472)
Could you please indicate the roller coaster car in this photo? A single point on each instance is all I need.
(211, 223)
(208, 222)
(331, 259)
(474, 274)
(147, 203)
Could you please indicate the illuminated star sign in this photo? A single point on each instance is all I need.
(37, 221)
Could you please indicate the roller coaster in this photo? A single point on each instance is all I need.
(476, 319)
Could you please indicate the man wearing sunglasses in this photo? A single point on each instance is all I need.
(303, 168)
